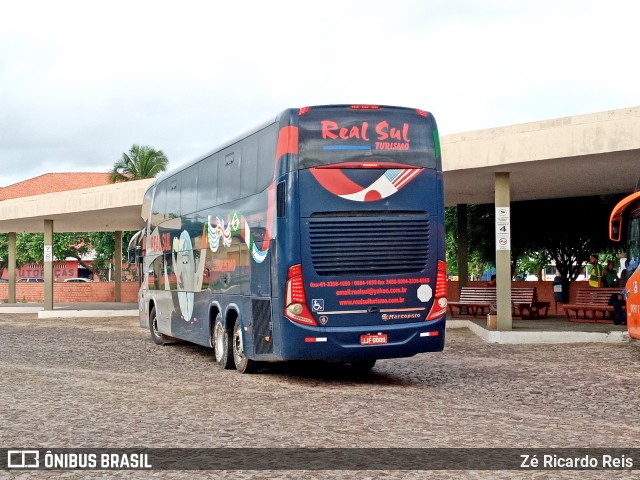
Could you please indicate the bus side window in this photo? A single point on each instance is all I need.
(249, 172)
(229, 176)
(167, 264)
(159, 204)
(156, 272)
(266, 158)
(173, 198)
(189, 193)
(207, 182)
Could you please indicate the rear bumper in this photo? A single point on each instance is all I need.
(343, 343)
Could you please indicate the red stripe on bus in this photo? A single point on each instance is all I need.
(335, 181)
(287, 141)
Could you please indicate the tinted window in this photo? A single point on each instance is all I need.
(266, 157)
(173, 197)
(229, 176)
(189, 194)
(342, 135)
(207, 182)
(159, 204)
(249, 176)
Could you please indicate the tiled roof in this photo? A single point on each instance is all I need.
(53, 182)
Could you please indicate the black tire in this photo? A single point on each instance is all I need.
(242, 363)
(362, 367)
(222, 344)
(157, 337)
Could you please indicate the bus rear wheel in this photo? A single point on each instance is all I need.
(243, 364)
(222, 344)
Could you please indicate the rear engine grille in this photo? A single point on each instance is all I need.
(362, 245)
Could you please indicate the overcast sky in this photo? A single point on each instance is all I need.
(81, 81)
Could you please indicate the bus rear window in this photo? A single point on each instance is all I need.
(386, 135)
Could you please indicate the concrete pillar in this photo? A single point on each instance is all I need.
(503, 252)
(48, 264)
(463, 245)
(117, 265)
(12, 267)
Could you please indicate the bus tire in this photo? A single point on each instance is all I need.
(222, 344)
(242, 363)
(157, 337)
(362, 367)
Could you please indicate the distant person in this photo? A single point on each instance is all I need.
(610, 277)
(492, 282)
(595, 272)
(617, 301)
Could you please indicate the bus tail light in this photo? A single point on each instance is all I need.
(295, 299)
(439, 306)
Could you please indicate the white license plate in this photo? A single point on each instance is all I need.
(373, 339)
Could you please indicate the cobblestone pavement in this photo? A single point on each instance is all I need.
(103, 383)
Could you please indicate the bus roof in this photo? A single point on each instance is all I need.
(266, 124)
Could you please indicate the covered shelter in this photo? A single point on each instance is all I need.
(593, 154)
(105, 208)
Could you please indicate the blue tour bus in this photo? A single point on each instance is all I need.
(319, 235)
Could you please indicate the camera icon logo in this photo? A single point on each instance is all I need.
(23, 459)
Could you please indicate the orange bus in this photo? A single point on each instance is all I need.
(624, 226)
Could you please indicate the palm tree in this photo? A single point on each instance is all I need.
(141, 162)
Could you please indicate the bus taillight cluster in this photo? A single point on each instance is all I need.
(439, 307)
(296, 299)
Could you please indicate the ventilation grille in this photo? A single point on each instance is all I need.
(361, 245)
(261, 309)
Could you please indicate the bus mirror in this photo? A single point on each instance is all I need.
(616, 224)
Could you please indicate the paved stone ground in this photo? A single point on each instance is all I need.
(103, 383)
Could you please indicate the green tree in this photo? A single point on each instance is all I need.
(4, 251)
(568, 229)
(141, 162)
(480, 235)
(104, 245)
(30, 249)
(565, 231)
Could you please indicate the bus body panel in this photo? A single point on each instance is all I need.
(370, 266)
(632, 287)
(633, 304)
(342, 344)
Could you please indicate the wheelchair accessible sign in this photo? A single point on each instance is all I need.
(503, 228)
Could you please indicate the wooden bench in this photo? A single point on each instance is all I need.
(478, 301)
(592, 305)
(526, 304)
(474, 301)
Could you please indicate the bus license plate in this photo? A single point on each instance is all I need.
(373, 339)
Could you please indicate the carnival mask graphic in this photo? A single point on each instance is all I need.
(188, 274)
